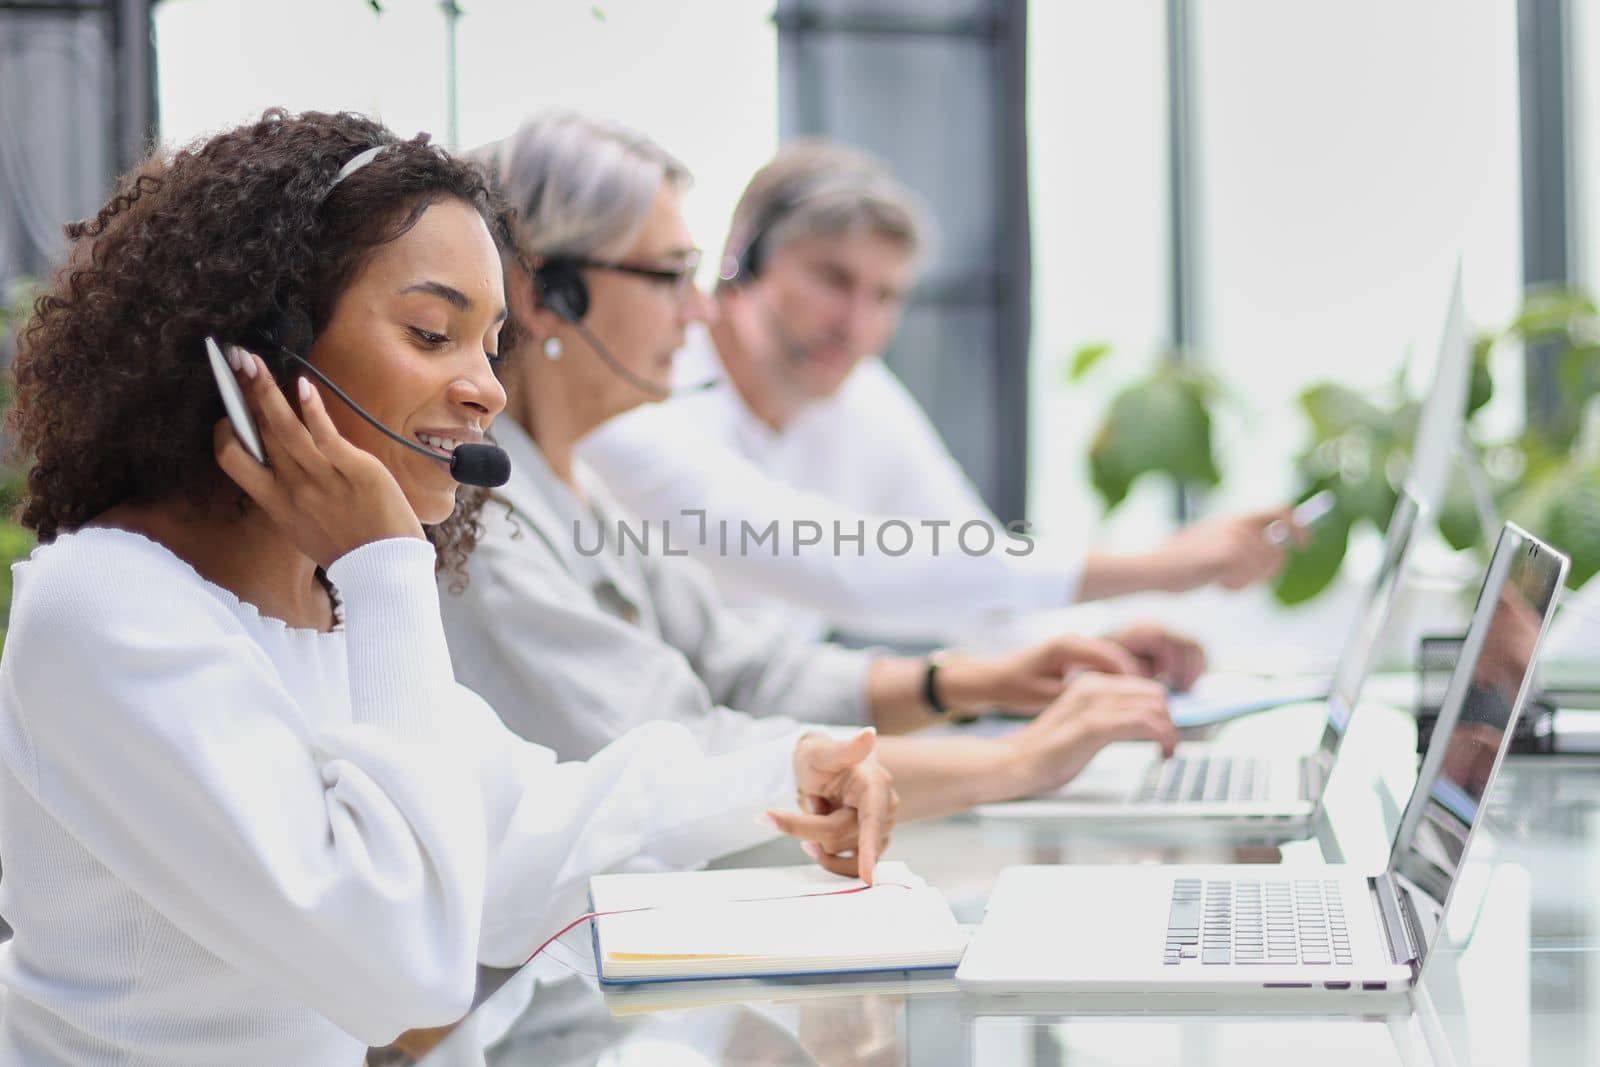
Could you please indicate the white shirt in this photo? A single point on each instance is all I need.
(575, 634)
(228, 841)
(865, 455)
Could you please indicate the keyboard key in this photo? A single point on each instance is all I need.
(1262, 922)
(1184, 915)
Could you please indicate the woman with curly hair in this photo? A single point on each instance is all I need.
(248, 815)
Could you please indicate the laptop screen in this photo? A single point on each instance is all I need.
(1433, 449)
(1487, 688)
(1444, 406)
(1355, 659)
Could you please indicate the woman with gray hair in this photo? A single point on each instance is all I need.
(578, 623)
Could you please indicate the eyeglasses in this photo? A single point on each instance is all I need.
(680, 278)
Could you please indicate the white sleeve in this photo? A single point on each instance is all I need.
(744, 664)
(349, 862)
(915, 474)
(551, 825)
(561, 672)
(662, 469)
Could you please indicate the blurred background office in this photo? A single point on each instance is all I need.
(1193, 256)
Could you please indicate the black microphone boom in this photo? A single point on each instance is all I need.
(485, 466)
(638, 381)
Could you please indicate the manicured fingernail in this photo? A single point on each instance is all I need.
(769, 820)
(249, 361)
(305, 391)
(231, 354)
(812, 849)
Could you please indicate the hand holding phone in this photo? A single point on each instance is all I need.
(1303, 516)
(244, 427)
(329, 496)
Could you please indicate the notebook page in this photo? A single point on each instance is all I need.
(709, 915)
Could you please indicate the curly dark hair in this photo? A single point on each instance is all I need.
(114, 398)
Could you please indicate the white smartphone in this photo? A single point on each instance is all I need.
(244, 427)
(1305, 513)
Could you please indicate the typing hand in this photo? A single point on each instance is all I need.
(1024, 682)
(328, 495)
(847, 801)
(1094, 711)
(1171, 659)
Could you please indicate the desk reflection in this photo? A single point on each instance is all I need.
(1516, 981)
(572, 1023)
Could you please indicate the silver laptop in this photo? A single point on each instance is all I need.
(1330, 931)
(1279, 794)
(1256, 792)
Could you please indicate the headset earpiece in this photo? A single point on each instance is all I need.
(559, 286)
(745, 265)
(277, 332)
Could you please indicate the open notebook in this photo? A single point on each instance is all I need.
(728, 924)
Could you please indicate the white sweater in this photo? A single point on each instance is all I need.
(227, 841)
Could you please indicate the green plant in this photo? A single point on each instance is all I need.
(1547, 478)
(1158, 425)
(15, 541)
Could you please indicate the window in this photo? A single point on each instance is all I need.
(1097, 90)
(1346, 154)
(1349, 153)
(1584, 27)
(220, 62)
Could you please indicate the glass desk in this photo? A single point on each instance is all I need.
(1515, 980)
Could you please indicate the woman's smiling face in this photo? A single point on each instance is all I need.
(411, 340)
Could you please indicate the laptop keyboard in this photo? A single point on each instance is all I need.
(1210, 779)
(1278, 921)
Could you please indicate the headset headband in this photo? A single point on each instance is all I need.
(744, 265)
(355, 163)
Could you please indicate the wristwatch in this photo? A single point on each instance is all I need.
(930, 679)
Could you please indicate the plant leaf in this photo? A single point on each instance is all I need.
(1334, 409)
(1085, 358)
(1563, 507)
(1547, 314)
(1160, 425)
(1458, 515)
(1310, 570)
(1482, 388)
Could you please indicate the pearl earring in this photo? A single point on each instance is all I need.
(552, 348)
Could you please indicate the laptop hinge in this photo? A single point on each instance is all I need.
(1398, 928)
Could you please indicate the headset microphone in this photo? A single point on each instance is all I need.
(484, 466)
(638, 381)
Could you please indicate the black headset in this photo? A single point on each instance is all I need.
(745, 265)
(559, 285)
(286, 333)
